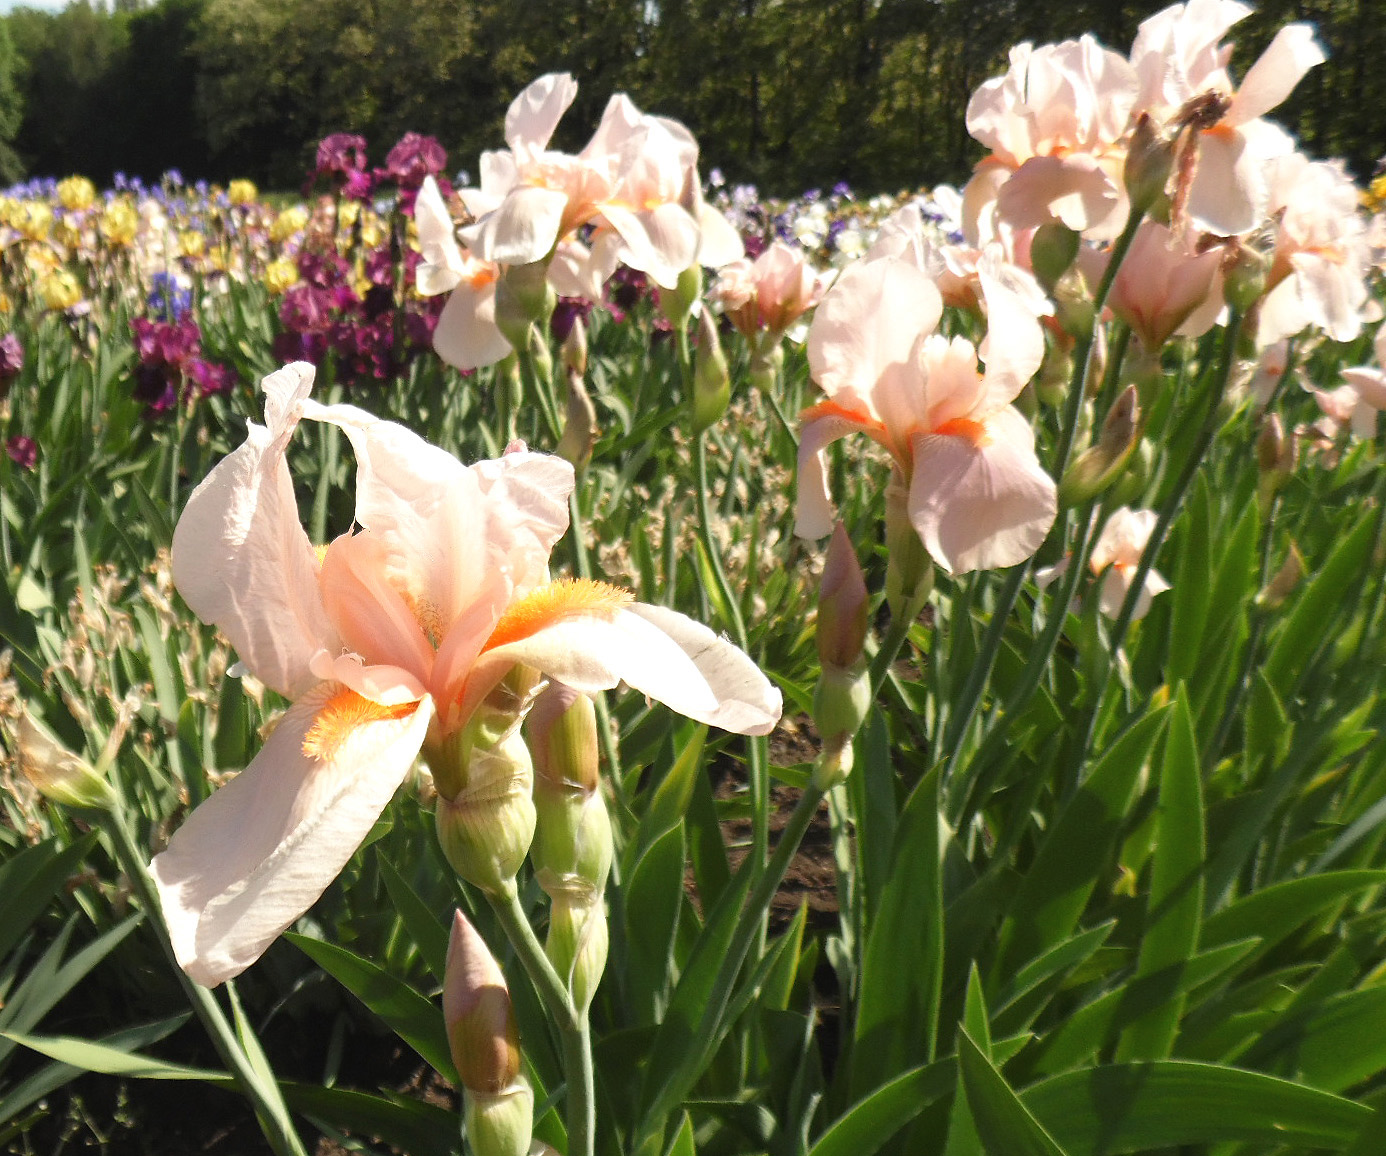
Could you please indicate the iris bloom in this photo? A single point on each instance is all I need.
(977, 495)
(1182, 66)
(386, 640)
(636, 179)
(1053, 124)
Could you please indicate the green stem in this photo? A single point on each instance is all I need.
(1168, 511)
(270, 1108)
(573, 1027)
(980, 674)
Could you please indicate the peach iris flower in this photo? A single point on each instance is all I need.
(1182, 66)
(387, 639)
(977, 495)
(769, 294)
(636, 179)
(1164, 287)
(1054, 124)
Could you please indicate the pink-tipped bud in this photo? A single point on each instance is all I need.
(480, 1021)
(575, 348)
(842, 604)
(1276, 455)
(1283, 582)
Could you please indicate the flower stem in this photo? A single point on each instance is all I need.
(270, 1108)
(573, 1027)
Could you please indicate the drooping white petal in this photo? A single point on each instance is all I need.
(657, 652)
(257, 854)
(813, 507)
(981, 506)
(467, 335)
(241, 558)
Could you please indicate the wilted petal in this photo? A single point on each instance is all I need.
(241, 558)
(981, 506)
(257, 854)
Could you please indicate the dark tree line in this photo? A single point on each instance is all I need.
(784, 93)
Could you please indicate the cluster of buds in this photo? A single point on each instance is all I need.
(572, 848)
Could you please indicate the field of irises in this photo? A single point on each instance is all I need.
(594, 661)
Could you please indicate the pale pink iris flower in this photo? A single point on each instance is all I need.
(1319, 269)
(1054, 124)
(976, 493)
(1118, 551)
(1163, 287)
(1357, 402)
(770, 294)
(385, 640)
(1115, 557)
(1179, 58)
(636, 179)
(467, 335)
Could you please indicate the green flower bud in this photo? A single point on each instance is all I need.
(1053, 250)
(500, 1125)
(487, 827)
(524, 297)
(577, 942)
(1244, 278)
(909, 571)
(711, 379)
(677, 303)
(1149, 162)
(579, 426)
(840, 703)
(1099, 465)
(574, 350)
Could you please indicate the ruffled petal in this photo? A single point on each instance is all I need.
(661, 242)
(1075, 190)
(869, 319)
(981, 506)
(241, 558)
(257, 854)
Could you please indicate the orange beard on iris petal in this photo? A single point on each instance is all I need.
(341, 715)
(552, 602)
(962, 427)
